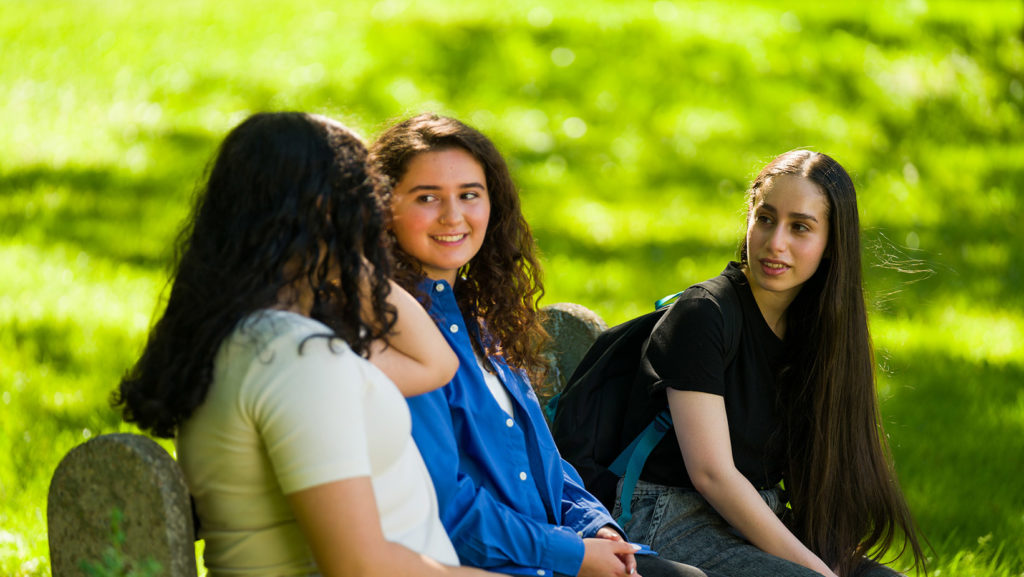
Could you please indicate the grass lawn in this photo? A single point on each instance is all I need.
(632, 129)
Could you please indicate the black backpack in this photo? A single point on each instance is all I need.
(590, 410)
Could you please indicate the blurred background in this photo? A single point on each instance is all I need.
(632, 129)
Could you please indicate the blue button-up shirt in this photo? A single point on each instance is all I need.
(508, 500)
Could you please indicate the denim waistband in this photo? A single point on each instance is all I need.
(774, 497)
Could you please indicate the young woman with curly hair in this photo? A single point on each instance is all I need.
(508, 500)
(494, 268)
(296, 449)
(794, 403)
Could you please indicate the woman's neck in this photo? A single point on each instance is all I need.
(295, 299)
(773, 305)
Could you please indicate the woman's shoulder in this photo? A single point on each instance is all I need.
(267, 333)
(696, 312)
(717, 293)
(272, 352)
(707, 304)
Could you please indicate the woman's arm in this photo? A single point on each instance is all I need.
(702, 429)
(341, 524)
(417, 359)
(487, 532)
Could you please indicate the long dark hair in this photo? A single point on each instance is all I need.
(501, 285)
(843, 490)
(287, 202)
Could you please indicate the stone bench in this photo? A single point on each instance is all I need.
(134, 476)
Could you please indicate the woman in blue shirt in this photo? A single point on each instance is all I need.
(507, 499)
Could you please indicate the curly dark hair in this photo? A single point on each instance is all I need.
(288, 202)
(842, 486)
(500, 286)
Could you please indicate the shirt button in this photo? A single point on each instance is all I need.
(510, 423)
(439, 288)
(454, 328)
(522, 476)
(541, 572)
(580, 533)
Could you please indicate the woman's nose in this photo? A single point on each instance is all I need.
(450, 213)
(779, 239)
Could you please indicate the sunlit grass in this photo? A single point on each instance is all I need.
(72, 323)
(969, 331)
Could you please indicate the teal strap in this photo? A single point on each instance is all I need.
(621, 463)
(552, 407)
(631, 461)
(666, 300)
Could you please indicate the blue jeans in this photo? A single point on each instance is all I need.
(651, 566)
(680, 525)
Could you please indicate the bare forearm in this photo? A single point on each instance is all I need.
(417, 357)
(397, 560)
(702, 429)
(738, 502)
(389, 559)
(342, 526)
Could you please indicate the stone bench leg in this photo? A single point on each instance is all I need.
(573, 328)
(136, 476)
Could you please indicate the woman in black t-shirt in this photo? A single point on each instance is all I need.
(796, 403)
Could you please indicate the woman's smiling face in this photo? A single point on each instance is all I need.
(440, 211)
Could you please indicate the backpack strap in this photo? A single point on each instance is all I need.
(666, 300)
(551, 407)
(630, 461)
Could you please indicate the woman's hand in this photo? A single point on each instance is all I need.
(610, 533)
(603, 557)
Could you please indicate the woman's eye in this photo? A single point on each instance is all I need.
(800, 227)
(763, 219)
(470, 195)
(424, 198)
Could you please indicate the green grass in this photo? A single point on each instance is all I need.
(631, 128)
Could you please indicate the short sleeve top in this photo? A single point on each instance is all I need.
(289, 409)
(688, 351)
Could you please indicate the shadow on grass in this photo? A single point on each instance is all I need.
(70, 347)
(975, 257)
(653, 256)
(653, 269)
(47, 433)
(107, 211)
(61, 390)
(957, 431)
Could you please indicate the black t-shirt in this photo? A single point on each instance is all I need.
(688, 351)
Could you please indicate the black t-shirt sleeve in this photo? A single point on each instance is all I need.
(686, 350)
